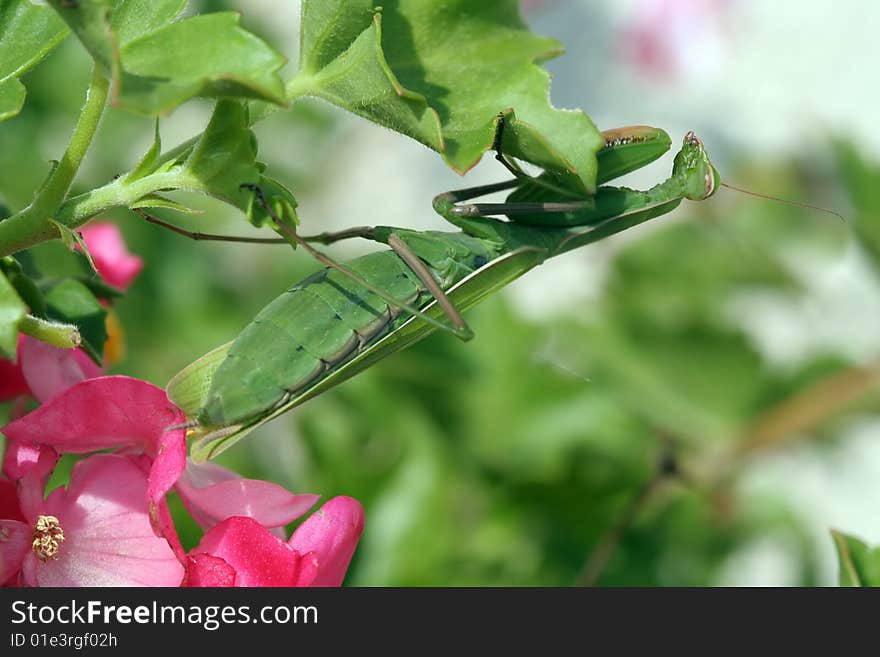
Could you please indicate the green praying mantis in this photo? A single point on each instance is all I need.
(346, 317)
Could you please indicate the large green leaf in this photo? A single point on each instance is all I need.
(157, 62)
(12, 311)
(27, 34)
(442, 73)
(859, 564)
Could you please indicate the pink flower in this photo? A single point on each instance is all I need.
(108, 412)
(212, 494)
(115, 508)
(94, 532)
(12, 381)
(242, 552)
(669, 38)
(43, 371)
(112, 260)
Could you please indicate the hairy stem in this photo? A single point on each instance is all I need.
(32, 225)
(65, 336)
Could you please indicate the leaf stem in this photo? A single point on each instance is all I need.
(32, 225)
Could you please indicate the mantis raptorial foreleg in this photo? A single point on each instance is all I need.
(693, 177)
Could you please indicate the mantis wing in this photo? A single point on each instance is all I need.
(189, 388)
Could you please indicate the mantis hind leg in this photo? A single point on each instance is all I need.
(459, 326)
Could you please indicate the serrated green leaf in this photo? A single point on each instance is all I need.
(442, 73)
(73, 303)
(158, 62)
(209, 55)
(859, 564)
(12, 311)
(27, 34)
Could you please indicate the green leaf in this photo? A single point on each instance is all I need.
(27, 34)
(150, 160)
(89, 20)
(224, 159)
(12, 93)
(210, 56)
(158, 201)
(72, 302)
(73, 239)
(158, 62)
(24, 285)
(442, 73)
(859, 564)
(134, 18)
(12, 311)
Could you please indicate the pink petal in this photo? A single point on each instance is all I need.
(108, 539)
(9, 507)
(15, 541)
(32, 483)
(258, 557)
(112, 259)
(205, 570)
(20, 458)
(212, 493)
(12, 381)
(160, 515)
(110, 411)
(331, 535)
(50, 370)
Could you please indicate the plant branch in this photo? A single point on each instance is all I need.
(32, 225)
(666, 469)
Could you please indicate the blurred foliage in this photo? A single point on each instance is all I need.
(530, 455)
(859, 564)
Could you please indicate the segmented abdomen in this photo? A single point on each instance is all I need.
(315, 326)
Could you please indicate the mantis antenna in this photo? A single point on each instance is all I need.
(798, 204)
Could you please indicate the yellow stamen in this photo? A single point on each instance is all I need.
(48, 537)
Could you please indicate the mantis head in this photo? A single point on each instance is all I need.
(701, 179)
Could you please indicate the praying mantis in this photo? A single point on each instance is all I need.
(342, 319)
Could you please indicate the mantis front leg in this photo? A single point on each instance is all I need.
(693, 177)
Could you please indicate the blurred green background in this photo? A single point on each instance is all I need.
(736, 339)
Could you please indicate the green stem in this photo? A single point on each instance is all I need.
(32, 225)
(65, 336)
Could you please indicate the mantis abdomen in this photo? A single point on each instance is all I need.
(313, 327)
